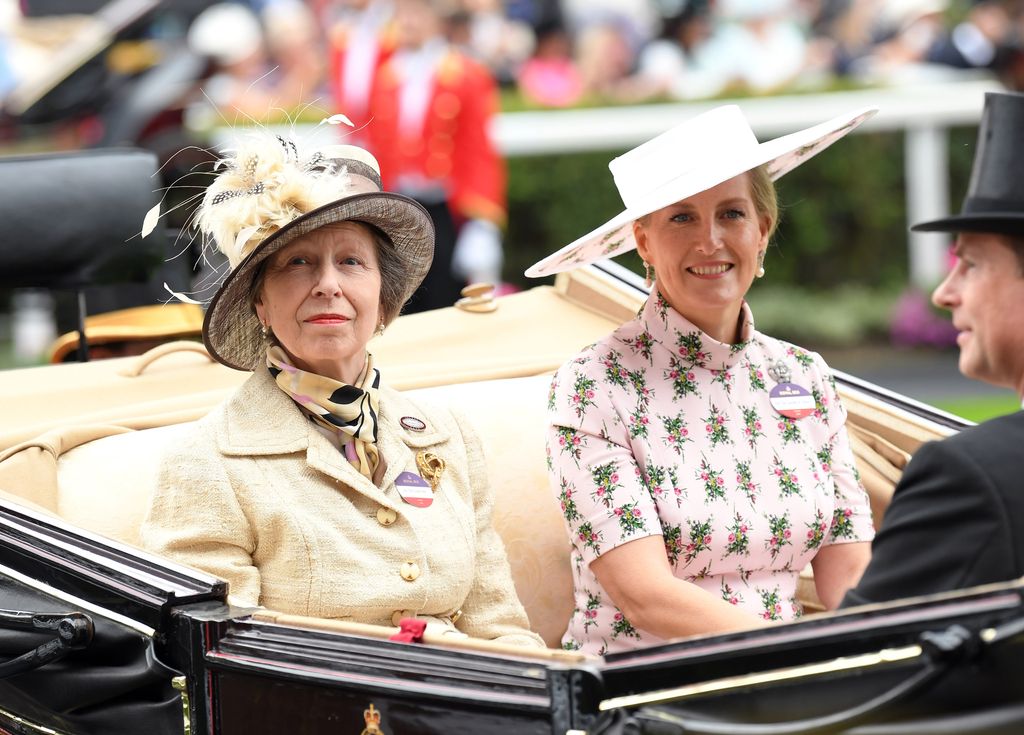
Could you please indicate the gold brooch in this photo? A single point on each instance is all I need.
(431, 467)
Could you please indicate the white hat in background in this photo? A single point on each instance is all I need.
(226, 32)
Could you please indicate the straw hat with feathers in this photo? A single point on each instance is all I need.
(269, 192)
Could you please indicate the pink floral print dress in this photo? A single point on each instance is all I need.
(660, 430)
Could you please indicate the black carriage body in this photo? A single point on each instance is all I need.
(332, 683)
(123, 681)
(168, 650)
(170, 656)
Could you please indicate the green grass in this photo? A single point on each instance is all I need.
(979, 408)
(7, 360)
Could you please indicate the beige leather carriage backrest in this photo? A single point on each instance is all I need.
(98, 472)
(510, 417)
(100, 478)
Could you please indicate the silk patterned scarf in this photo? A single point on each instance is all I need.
(348, 410)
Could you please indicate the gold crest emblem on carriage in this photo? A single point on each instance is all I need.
(372, 719)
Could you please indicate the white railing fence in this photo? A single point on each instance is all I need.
(923, 113)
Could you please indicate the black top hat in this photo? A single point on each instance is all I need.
(995, 196)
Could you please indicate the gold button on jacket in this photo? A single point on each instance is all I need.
(397, 615)
(410, 571)
(386, 516)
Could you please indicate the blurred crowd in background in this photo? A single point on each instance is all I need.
(421, 80)
(564, 52)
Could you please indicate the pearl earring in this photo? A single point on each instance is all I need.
(648, 274)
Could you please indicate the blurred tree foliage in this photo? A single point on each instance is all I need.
(843, 217)
(962, 144)
(843, 213)
(554, 199)
(841, 246)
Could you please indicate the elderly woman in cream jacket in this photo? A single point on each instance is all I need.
(315, 490)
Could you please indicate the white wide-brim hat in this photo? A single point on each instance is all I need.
(687, 159)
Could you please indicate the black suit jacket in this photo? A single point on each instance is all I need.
(956, 518)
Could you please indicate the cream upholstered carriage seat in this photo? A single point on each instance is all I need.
(97, 470)
(100, 478)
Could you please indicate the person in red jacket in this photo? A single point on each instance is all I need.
(431, 112)
(360, 41)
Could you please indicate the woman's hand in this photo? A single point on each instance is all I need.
(837, 568)
(640, 582)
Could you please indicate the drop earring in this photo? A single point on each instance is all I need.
(648, 274)
(760, 265)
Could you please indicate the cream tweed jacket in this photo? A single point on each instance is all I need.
(260, 498)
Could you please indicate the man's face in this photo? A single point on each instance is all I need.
(985, 293)
(415, 23)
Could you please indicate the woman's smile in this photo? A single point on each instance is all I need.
(709, 270)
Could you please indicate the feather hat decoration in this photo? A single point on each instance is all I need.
(265, 186)
(268, 193)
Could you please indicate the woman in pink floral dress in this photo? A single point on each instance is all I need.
(700, 464)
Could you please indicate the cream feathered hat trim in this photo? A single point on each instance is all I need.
(266, 185)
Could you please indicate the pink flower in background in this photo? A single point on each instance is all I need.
(916, 323)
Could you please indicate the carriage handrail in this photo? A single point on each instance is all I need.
(938, 652)
(430, 638)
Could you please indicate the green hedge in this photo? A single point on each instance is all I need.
(842, 238)
(843, 213)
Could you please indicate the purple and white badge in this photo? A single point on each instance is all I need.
(791, 400)
(414, 489)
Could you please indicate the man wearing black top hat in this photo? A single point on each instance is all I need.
(957, 516)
